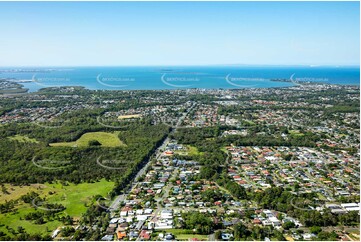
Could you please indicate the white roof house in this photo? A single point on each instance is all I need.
(142, 217)
(163, 224)
(166, 214)
(351, 206)
(148, 211)
(347, 205)
(275, 221)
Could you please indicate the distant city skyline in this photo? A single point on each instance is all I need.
(179, 33)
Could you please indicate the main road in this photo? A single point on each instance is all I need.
(119, 199)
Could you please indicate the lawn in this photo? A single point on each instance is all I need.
(105, 139)
(178, 231)
(73, 197)
(23, 139)
(190, 236)
(246, 122)
(295, 133)
(190, 150)
(321, 197)
(184, 234)
(289, 238)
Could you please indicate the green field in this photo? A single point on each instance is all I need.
(246, 122)
(184, 234)
(23, 139)
(191, 236)
(105, 139)
(295, 133)
(73, 197)
(190, 150)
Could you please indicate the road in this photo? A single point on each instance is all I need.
(119, 199)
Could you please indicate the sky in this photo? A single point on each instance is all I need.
(179, 33)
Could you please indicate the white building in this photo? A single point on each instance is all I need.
(166, 214)
(350, 206)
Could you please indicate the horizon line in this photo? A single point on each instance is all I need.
(185, 65)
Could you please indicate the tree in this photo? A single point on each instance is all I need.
(67, 231)
(288, 225)
(315, 229)
(218, 234)
(39, 221)
(94, 143)
(327, 236)
(240, 231)
(279, 235)
(21, 229)
(201, 222)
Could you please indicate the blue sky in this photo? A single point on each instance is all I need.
(179, 33)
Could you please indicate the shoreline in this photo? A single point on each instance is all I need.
(13, 86)
(201, 89)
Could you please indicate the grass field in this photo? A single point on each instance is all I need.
(16, 192)
(73, 197)
(246, 122)
(295, 133)
(23, 139)
(183, 234)
(129, 116)
(105, 139)
(191, 236)
(190, 150)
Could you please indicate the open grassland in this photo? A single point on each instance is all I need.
(15, 192)
(73, 197)
(23, 139)
(105, 139)
(16, 219)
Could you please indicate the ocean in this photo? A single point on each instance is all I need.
(180, 77)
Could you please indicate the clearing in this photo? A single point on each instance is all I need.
(73, 197)
(23, 139)
(130, 116)
(105, 139)
(190, 151)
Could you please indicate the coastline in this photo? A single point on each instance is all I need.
(178, 77)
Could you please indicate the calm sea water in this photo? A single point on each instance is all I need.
(157, 78)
